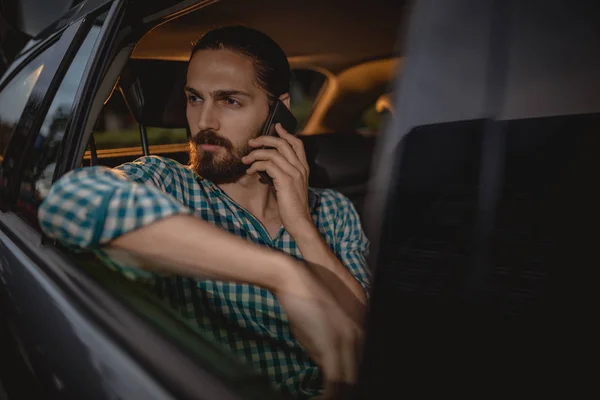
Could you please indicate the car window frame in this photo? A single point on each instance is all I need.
(22, 60)
(50, 263)
(29, 198)
(28, 127)
(74, 141)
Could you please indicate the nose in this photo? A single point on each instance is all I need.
(207, 118)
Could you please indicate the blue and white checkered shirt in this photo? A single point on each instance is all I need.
(89, 207)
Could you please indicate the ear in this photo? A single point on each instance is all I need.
(285, 98)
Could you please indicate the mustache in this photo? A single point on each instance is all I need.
(212, 138)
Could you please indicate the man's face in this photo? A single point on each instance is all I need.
(225, 108)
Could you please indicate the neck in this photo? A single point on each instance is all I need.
(253, 195)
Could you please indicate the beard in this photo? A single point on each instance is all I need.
(215, 167)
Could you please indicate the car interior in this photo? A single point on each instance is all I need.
(348, 62)
(487, 215)
(344, 66)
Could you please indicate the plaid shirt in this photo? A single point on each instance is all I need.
(89, 207)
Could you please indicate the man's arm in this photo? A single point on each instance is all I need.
(94, 207)
(190, 246)
(286, 163)
(344, 269)
(134, 207)
(91, 206)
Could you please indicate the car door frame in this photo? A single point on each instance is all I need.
(87, 341)
(63, 40)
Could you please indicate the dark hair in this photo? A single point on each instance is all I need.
(272, 69)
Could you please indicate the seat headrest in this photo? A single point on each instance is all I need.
(153, 89)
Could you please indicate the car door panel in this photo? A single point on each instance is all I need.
(66, 351)
(60, 353)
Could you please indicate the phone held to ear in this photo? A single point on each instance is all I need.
(279, 114)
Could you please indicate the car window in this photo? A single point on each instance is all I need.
(370, 121)
(37, 177)
(374, 116)
(13, 99)
(116, 128)
(305, 86)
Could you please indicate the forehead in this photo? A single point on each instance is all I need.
(221, 69)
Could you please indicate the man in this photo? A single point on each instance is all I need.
(279, 271)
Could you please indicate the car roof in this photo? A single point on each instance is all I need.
(333, 34)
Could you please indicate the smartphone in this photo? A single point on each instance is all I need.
(279, 114)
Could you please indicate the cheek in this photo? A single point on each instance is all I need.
(189, 115)
(242, 125)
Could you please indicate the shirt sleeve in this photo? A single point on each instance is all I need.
(352, 245)
(89, 207)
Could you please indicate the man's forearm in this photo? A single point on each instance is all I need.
(186, 245)
(329, 268)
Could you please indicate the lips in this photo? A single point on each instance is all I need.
(210, 141)
(210, 147)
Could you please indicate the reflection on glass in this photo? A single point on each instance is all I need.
(14, 98)
(37, 177)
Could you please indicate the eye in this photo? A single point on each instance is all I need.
(192, 98)
(230, 101)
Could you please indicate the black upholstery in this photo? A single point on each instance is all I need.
(485, 284)
(341, 161)
(154, 90)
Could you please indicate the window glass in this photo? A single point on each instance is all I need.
(305, 86)
(116, 128)
(373, 117)
(370, 120)
(13, 99)
(37, 177)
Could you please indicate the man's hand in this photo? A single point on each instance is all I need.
(330, 337)
(286, 164)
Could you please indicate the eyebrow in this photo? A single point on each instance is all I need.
(219, 93)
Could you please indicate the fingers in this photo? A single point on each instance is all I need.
(296, 143)
(288, 145)
(359, 346)
(332, 365)
(282, 149)
(260, 159)
(321, 326)
(340, 364)
(350, 355)
(279, 177)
